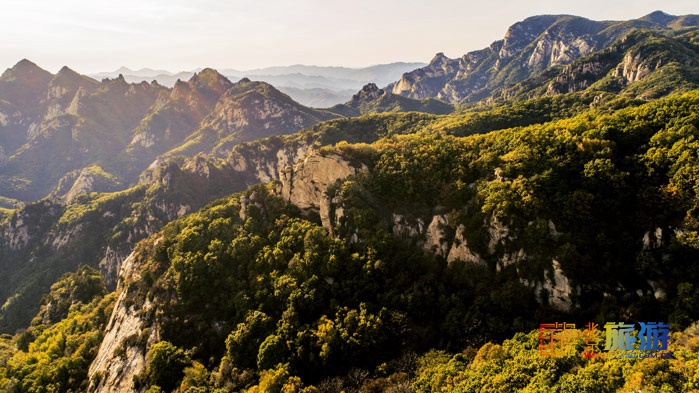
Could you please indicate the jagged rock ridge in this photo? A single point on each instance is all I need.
(51, 125)
(530, 48)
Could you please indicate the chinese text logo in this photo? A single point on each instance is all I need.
(622, 340)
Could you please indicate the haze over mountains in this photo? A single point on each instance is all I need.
(315, 86)
(552, 174)
(57, 129)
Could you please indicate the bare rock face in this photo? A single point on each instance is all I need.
(441, 239)
(122, 353)
(654, 239)
(522, 33)
(576, 77)
(84, 181)
(369, 92)
(404, 229)
(110, 265)
(427, 81)
(305, 184)
(23, 227)
(634, 68)
(558, 287)
(436, 238)
(83, 184)
(266, 163)
(544, 43)
(460, 250)
(529, 47)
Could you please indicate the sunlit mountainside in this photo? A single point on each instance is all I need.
(216, 235)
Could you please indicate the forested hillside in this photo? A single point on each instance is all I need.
(390, 244)
(436, 242)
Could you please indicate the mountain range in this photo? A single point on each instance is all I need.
(255, 242)
(315, 86)
(554, 54)
(61, 123)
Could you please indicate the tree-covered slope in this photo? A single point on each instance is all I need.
(55, 352)
(436, 241)
(371, 99)
(43, 240)
(517, 365)
(379, 236)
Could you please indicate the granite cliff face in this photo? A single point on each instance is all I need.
(528, 48)
(536, 51)
(132, 329)
(76, 225)
(447, 241)
(127, 128)
(48, 238)
(482, 234)
(122, 355)
(176, 114)
(306, 184)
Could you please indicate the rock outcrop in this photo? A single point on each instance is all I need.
(122, 353)
(85, 181)
(556, 287)
(461, 252)
(443, 240)
(528, 48)
(306, 184)
(534, 51)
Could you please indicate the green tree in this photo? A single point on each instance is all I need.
(166, 365)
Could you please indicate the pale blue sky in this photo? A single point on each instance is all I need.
(100, 35)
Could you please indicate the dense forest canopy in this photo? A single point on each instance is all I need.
(251, 293)
(218, 236)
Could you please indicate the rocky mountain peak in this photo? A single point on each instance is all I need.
(65, 70)
(246, 85)
(369, 87)
(118, 85)
(24, 85)
(66, 77)
(25, 65)
(369, 92)
(210, 80)
(25, 69)
(439, 59)
(64, 85)
(179, 87)
(522, 33)
(531, 47)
